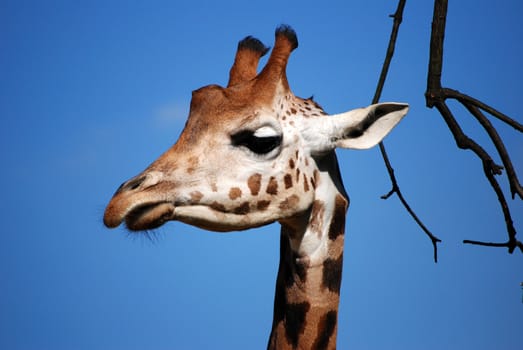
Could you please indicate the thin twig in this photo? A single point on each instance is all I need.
(515, 186)
(465, 99)
(398, 17)
(508, 244)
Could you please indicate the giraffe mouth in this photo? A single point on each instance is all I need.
(149, 216)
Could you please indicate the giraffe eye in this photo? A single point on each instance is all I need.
(258, 142)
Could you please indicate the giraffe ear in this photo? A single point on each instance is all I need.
(360, 128)
(364, 128)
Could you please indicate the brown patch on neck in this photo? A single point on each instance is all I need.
(254, 183)
(326, 328)
(332, 269)
(289, 315)
(337, 226)
(295, 321)
(316, 221)
(305, 313)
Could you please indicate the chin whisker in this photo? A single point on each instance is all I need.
(152, 236)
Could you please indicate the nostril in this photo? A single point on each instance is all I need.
(132, 184)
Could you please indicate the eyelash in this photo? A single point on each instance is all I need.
(258, 145)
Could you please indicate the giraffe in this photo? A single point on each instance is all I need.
(253, 153)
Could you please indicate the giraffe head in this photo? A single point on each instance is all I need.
(249, 152)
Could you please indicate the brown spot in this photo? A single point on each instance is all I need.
(297, 175)
(287, 112)
(297, 153)
(300, 267)
(313, 183)
(254, 183)
(295, 321)
(263, 205)
(326, 328)
(289, 202)
(305, 183)
(332, 274)
(306, 161)
(293, 111)
(196, 196)
(192, 164)
(287, 179)
(272, 186)
(291, 163)
(218, 207)
(242, 209)
(234, 193)
(286, 276)
(337, 226)
(214, 188)
(317, 211)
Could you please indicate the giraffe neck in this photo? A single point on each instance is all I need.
(309, 274)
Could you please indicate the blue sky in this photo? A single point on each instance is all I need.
(92, 92)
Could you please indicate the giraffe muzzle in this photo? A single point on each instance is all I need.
(149, 216)
(145, 216)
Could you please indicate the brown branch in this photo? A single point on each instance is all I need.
(436, 96)
(515, 186)
(398, 17)
(507, 244)
(465, 99)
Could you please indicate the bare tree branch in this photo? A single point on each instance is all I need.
(474, 107)
(436, 96)
(398, 17)
(465, 99)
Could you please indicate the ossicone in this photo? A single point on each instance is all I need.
(274, 72)
(245, 66)
(286, 31)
